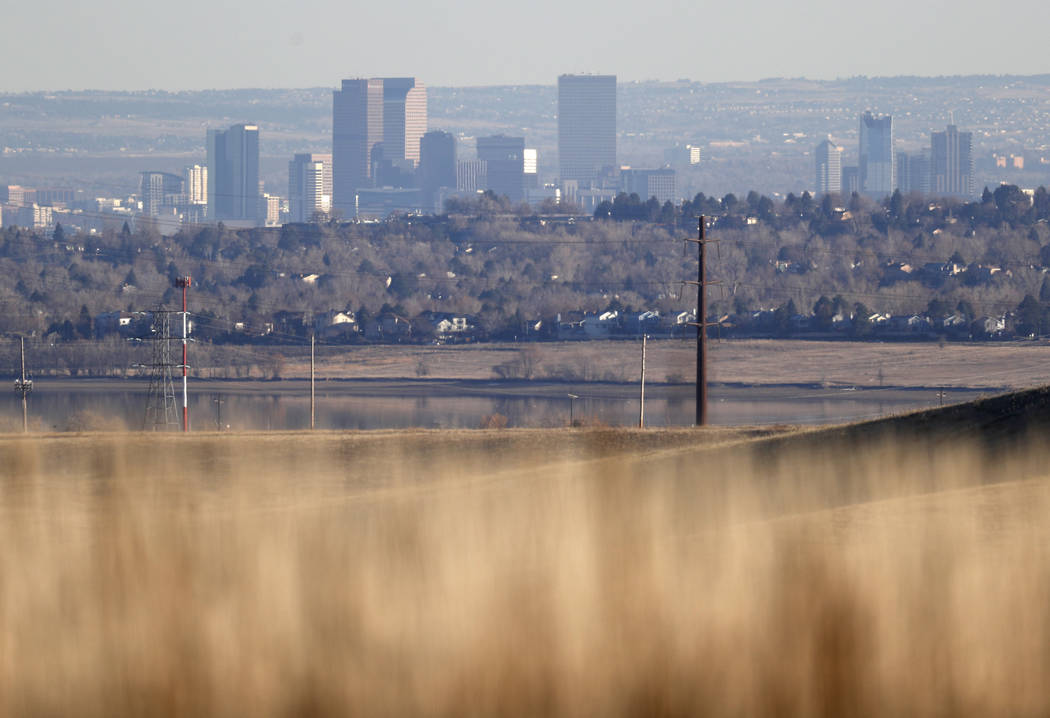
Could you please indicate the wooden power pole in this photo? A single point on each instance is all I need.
(701, 329)
(701, 323)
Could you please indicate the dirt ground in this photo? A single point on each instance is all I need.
(1005, 365)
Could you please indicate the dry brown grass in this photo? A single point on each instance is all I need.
(433, 573)
(984, 365)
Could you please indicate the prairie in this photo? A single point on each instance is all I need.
(989, 365)
(893, 567)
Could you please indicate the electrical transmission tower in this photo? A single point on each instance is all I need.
(162, 411)
(24, 386)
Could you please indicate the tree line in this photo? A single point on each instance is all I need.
(504, 270)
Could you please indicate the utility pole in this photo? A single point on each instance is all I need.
(701, 323)
(184, 283)
(312, 401)
(641, 397)
(572, 408)
(701, 328)
(218, 411)
(24, 386)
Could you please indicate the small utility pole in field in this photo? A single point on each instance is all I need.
(641, 398)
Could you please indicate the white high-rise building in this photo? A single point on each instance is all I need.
(828, 160)
(196, 179)
(404, 118)
(159, 189)
(309, 187)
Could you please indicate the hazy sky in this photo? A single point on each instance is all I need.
(192, 44)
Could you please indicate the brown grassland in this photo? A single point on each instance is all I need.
(1015, 364)
(898, 567)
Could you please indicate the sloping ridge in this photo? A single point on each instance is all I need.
(997, 439)
(997, 421)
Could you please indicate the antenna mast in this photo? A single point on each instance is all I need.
(184, 283)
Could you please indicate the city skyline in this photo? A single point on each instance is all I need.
(657, 131)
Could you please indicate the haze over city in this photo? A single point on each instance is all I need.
(114, 44)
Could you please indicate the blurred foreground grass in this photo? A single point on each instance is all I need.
(574, 573)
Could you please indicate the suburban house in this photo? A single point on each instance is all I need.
(598, 326)
(647, 322)
(388, 327)
(334, 324)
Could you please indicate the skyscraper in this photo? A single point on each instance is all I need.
(828, 158)
(391, 111)
(877, 167)
(586, 126)
(504, 158)
(913, 172)
(196, 177)
(951, 163)
(437, 165)
(309, 186)
(357, 125)
(850, 180)
(158, 189)
(404, 118)
(233, 173)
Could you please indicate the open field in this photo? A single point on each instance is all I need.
(890, 568)
(978, 365)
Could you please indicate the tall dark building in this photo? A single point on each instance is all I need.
(357, 126)
(913, 172)
(586, 127)
(365, 113)
(877, 168)
(233, 173)
(850, 180)
(505, 159)
(951, 163)
(437, 165)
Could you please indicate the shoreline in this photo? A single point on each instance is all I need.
(516, 388)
